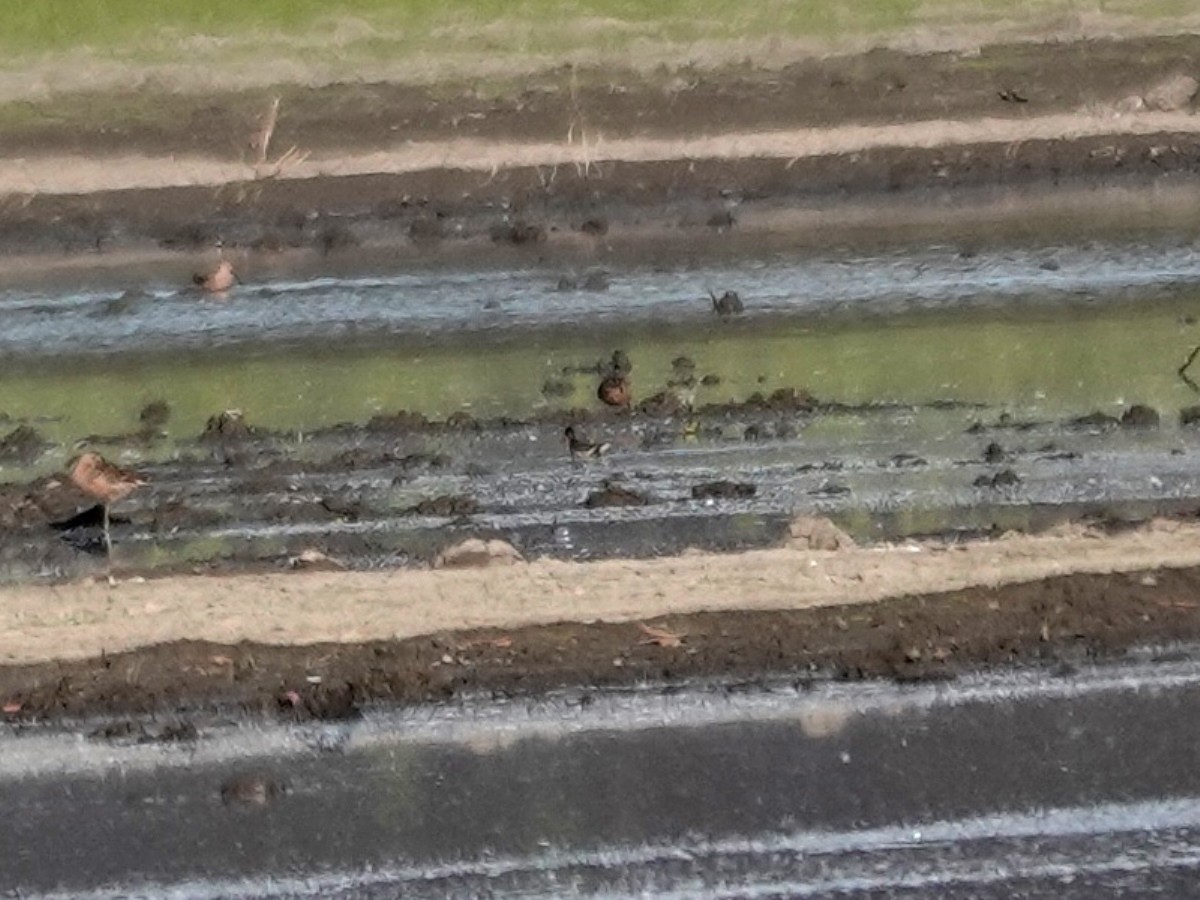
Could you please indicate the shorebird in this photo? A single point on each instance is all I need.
(728, 304)
(614, 389)
(581, 448)
(101, 480)
(218, 280)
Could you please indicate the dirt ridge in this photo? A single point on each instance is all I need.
(86, 619)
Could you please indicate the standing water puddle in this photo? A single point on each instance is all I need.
(910, 355)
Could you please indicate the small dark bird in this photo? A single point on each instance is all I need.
(101, 480)
(581, 449)
(728, 304)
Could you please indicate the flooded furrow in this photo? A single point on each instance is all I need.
(965, 789)
(265, 500)
(156, 317)
(931, 390)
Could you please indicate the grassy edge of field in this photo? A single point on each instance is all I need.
(80, 45)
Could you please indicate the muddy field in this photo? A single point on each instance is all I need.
(475, 163)
(436, 291)
(187, 685)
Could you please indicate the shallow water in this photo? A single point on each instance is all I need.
(1108, 328)
(979, 788)
(918, 347)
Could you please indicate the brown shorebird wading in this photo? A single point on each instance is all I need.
(101, 480)
(218, 280)
(614, 389)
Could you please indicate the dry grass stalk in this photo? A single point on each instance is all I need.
(260, 143)
(584, 165)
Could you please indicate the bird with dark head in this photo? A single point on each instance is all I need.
(102, 481)
(217, 280)
(583, 449)
(728, 304)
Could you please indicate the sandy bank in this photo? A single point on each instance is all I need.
(84, 619)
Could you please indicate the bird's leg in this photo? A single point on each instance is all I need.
(108, 544)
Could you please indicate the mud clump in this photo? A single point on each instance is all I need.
(1140, 416)
(817, 533)
(332, 238)
(721, 221)
(423, 462)
(1003, 478)
(22, 445)
(360, 458)
(155, 415)
(426, 230)
(272, 240)
(519, 233)
(475, 553)
(554, 387)
(345, 506)
(1095, 420)
(229, 425)
(597, 226)
(906, 461)
(446, 506)
(683, 366)
(326, 703)
(593, 281)
(463, 421)
(830, 489)
(402, 420)
(994, 453)
(1172, 93)
(1189, 416)
(613, 494)
(175, 514)
(311, 559)
(781, 400)
(190, 236)
(663, 405)
(250, 789)
(723, 490)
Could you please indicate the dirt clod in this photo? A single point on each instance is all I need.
(723, 490)
(22, 445)
(1095, 421)
(613, 494)
(1140, 416)
(447, 505)
(817, 533)
(518, 233)
(1172, 93)
(250, 789)
(477, 553)
(1003, 478)
(155, 415)
(228, 425)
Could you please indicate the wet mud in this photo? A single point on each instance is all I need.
(529, 210)
(396, 490)
(639, 200)
(715, 457)
(174, 692)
